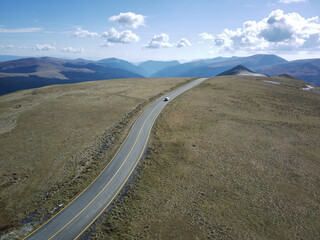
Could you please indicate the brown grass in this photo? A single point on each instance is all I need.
(55, 140)
(234, 158)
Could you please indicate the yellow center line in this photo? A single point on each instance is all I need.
(143, 150)
(124, 181)
(172, 96)
(109, 180)
(90, 183)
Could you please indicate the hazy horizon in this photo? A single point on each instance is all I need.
(138, 62)
(142, 30)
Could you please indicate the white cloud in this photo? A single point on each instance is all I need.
(158, 41)
(206, 36)
(9, 46)
(19, 30)
(113, 36)
(72, 50)
(44, 47)
(162, 41)
(183, 42)
(84, 33)
(279, 31)
(128, 19)
(290, 1)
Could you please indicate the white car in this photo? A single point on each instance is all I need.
(166, 99)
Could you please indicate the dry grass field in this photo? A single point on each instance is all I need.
(233, 158)
(54, 140)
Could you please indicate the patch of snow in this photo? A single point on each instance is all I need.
(52, 211)
(246, 73)
(273, 82)
(307, 88)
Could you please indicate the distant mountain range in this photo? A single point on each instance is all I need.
(191, 68)
(252, 62)
(29, 73)
(122, 64)
(271, 65)
(151, 67)
(25, 73)
(307, 70)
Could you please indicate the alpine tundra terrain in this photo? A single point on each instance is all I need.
(55, 140)
(126, 120)
(236, 157)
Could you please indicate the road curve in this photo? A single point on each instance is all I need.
(76, 217)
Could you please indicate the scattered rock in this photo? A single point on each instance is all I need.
(308, 88)
(272, 82)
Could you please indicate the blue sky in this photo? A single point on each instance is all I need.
(138, 30)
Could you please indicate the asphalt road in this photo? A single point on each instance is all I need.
(75, 218)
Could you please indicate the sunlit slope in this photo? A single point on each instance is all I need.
(53, 137)
(233, 158)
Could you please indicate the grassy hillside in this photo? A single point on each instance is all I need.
(233, 158)
(55, 140)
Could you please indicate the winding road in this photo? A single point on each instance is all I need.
(75, 218)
